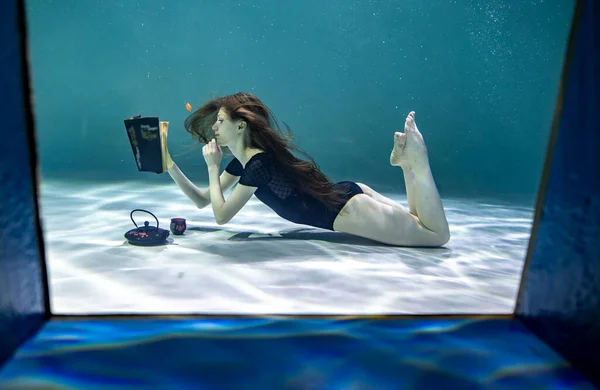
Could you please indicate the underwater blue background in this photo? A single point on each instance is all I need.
(482, 77)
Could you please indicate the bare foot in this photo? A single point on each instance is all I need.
(409, 150)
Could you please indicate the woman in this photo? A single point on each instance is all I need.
(297, 190)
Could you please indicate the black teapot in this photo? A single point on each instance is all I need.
(146, 235)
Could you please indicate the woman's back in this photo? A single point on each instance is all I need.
(276, 191)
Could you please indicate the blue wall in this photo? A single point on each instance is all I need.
(23, 285)
(560, 294)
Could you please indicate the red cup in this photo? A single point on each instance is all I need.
(178, 226)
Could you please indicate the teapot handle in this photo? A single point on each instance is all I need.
(145, 211)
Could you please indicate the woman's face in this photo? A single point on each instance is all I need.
(225, 130)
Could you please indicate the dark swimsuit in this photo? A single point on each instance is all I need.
(279, 194)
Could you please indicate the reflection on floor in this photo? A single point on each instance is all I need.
(288, 354)
(260, 263)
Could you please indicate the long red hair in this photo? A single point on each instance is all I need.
(265, 134)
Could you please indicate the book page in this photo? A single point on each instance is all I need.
(164, 131)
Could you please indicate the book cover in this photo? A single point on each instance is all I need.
(148, 139)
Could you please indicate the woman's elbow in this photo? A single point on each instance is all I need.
(221, 220)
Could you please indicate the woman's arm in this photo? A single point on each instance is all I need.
(200, 197)
(225, 210)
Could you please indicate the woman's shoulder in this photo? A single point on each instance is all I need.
(258, 155)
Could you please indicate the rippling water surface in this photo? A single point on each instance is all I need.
(276, 353)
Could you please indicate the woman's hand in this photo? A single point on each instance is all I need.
(212, 153)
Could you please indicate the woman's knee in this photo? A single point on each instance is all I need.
(444, 238)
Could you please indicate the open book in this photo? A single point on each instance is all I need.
(148, 138)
